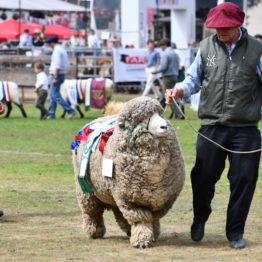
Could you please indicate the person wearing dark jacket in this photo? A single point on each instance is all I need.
(169, 66)
(227, 69)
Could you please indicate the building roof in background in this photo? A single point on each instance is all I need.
(40, 5)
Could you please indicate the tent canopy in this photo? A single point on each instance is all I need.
(40, 5)
(9, 30)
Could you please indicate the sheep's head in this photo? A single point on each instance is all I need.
(140, 121)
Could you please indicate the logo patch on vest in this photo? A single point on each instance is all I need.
(211, 60)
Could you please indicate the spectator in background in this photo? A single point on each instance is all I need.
(58, 69)
(37, 39)
(258, 37)
(25, 39)
(93, 40)
(169, 71)
(42, 34)
(152, 63)
(114, 41)
(76, 40)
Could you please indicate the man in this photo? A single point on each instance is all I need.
(152, 62)
(58, 68)
(258, 37)
(169, 70)
(37, 40)
(76, 40)
(25, 39)
(228, 67)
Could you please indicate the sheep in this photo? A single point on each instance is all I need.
(148, 174)
(9, 93)
(81, 92)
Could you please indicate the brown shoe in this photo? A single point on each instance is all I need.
(1, 213)
(70, 116)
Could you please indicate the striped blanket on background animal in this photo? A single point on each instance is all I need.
(4, 91)
(91, 91)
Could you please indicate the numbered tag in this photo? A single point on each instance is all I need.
(107, 167)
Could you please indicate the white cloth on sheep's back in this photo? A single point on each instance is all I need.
(5, 91)
(92, 134)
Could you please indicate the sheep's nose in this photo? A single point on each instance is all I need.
(158, 125)
(163, 127)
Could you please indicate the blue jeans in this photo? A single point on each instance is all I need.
(55, 97)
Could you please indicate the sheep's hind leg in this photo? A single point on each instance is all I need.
(156, 228)
(92, 213)
(79, 111)
(63, 114)
(122, 222)
(21, 107)
(9, 109)
(140, 219)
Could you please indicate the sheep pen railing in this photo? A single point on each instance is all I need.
(83, 63)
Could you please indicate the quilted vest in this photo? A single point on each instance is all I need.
(231, 92)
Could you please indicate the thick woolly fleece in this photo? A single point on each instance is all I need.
(148, 176)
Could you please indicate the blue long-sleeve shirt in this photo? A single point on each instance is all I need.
(192, 82)
(152, 58)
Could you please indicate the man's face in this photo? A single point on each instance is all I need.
(52, 45)
(227, 35)
(163, 47)
(150, 46)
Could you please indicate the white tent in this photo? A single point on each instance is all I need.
(40, 5)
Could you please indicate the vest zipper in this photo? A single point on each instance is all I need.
(226, 81)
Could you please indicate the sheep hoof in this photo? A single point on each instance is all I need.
(141, 235)
(95, 232)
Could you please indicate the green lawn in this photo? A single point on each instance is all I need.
(42, 220)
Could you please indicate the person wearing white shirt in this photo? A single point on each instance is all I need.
(58, 69)
(93, 40)
(41, 88)
(76, 40)
(25, 40)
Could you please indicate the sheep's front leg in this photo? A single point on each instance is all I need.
(140, 219)
(92, 213)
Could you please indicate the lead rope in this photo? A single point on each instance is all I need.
(210, 140)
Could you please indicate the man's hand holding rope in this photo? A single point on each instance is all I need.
(173, 94)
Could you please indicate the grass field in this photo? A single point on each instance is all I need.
(42, 220)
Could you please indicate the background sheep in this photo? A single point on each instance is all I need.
(113, 108)
(10, 89)
(109, 85)
(148, 174)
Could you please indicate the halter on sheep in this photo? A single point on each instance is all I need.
(147, 173)
(9, 93)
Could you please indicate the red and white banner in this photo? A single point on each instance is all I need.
(129, 65)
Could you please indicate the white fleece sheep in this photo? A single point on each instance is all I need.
(148, 174)
(12, 97)
(109, 86)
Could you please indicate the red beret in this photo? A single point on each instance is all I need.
(225, 15)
